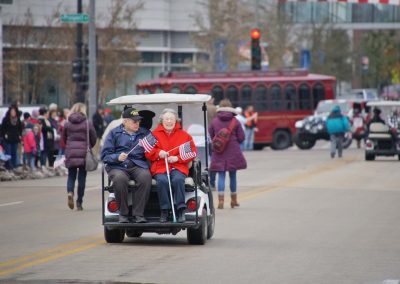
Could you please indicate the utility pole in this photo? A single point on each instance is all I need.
(79, 93)
(92, 59)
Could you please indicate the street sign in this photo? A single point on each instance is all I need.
(74, 18)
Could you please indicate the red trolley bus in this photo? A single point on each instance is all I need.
(280, 97)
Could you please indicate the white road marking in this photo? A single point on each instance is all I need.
(11, 203)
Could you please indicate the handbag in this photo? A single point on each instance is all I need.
(91, 162)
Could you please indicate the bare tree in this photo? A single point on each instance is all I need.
(221, 29)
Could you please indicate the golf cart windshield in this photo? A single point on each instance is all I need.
(189, 108)
(390, 111)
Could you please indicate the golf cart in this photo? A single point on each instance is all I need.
(383, 138)
(200, 212)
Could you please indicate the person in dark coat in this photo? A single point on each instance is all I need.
(232, 158)
(76, 145)
(11, 133)
(99, 125)
(125, 160)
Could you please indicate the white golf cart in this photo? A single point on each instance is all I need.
(383, 138)
(200, 214)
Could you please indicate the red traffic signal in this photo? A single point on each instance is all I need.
(255, 33)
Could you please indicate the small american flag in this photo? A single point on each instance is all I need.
(148, 142)
(185, 151)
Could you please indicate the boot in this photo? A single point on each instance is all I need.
(234, 202)
(164, 216)
(220, 202)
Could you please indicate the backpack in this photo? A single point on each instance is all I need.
(221, 139)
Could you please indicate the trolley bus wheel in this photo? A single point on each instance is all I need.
(281, 140)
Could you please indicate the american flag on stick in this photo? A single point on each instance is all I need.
(186, 152)
(148, 142)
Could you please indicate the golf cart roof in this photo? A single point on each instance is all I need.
(163, 98)
(384, 103)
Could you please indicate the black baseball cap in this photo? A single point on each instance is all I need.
(131, 113)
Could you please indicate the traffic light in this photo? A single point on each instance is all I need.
(76, 70)
(255, 49)
(84, 82)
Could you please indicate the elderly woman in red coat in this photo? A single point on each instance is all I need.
(232, 158)
(177, 146)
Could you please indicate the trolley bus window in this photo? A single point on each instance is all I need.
(218, 94)
(261, 99)
(159, 90)
(304, 97)
(318, 94)
(232, 95)
(290, 97)
(190, 90)
(276, 95)
(246, 96)
(175, 90)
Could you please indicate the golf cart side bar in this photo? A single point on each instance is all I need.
(204, 108)
(102, 194)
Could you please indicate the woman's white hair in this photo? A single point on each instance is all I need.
(168, 110)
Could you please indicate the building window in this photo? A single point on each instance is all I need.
(181, 58)
(151, 57)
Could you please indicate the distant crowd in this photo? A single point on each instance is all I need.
(32, 141)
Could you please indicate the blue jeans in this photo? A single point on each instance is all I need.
(11, 148)
(81, 172)
(178, 189)
(248, 138)
(221, 182)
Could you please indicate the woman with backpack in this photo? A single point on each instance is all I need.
(226, 134)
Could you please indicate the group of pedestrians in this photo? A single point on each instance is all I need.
(32, 140)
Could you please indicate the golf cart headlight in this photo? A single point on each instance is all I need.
(307, 126)
(320, 126)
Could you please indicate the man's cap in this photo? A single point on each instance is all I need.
(131, 113)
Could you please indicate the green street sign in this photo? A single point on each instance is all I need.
(75, 18)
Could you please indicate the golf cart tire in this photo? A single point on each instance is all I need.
(369, 157)
(114, 236)
(281, 140)
(199, 236)
(398, 157)
(133, 234)
(304, 144)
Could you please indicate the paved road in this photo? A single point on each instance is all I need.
(304, 218)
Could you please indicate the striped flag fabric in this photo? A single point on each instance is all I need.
(186, 152)
(148, 142)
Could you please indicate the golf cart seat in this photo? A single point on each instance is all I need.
(194, 172)
(378, 130)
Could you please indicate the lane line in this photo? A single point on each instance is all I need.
(45, 259)
(65, 247)
(11, 203)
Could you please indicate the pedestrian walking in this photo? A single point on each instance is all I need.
(231, 159)
(75, 136)
(11, 134)
(337, 125)
(250, 127)
(99, 125)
